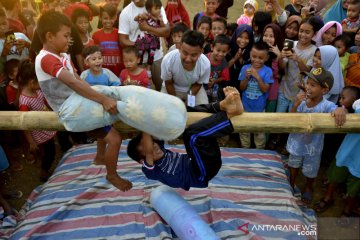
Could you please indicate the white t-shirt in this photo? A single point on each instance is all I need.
(128, 26)
(172, 68)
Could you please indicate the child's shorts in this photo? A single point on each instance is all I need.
(310, 164)
(99, 133)
(337, 174)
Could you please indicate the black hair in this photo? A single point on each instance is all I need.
(346, 39)
(132, 150)
(204, 19)
(51, 21)
(131, 49)
(261, 46)
(179, 27)
(222, 39)
(222, 20)
(260, 20)
(193, 38)
(109, 9)
(354, 2)
(315, 22)
(152, 3)
(230, 28)
(79, 13)
(354, 90)
(90, 50)
(9, 4)
(26, 73)
(10, 65)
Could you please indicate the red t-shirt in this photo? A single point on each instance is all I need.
(11, 92)
(110, 50)
(141, 79)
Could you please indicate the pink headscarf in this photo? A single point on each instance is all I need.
(327, 26)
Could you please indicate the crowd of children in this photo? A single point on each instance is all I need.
(281, 59)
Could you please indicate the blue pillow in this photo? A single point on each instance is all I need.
(158, 114)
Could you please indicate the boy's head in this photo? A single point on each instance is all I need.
(218, 26)
(220, 47)
(54, 30)
(93, 58)
(136, 151)
(204, 26)
(80, 18)
(230, 29)
(211, 6)
(132, 148)
(250, 7)
(11, 68)
(4, 24)
(260, 20)
(353, 10)
(153, 7)
(319, 82)
(259, 54)
(108, 16)
(131, 57)
(191, 48)
(342, 44)
(177, 33)
(348, 96)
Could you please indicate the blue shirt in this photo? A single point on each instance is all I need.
(175, 170)
(310, 144)
(253, 99)
(106, 78)
(348, 154)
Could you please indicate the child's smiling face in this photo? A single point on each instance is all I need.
(243, 40)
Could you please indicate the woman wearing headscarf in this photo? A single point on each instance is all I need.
(330, 61)
(337, 12)
(241, 43)
(291, 29)
(327, 34)
(176, 12)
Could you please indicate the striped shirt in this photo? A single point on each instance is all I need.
(37, 103)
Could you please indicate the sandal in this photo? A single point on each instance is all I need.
(307, 198)
(323, 205)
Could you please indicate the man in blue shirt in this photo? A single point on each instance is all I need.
(203, 159)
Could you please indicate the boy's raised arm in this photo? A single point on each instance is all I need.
(84, 89)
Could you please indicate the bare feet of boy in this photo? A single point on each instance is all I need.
(232, 104)
(120, 183)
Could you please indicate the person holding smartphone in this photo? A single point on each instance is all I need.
(13, 45)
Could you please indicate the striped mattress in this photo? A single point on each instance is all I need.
(250, 198)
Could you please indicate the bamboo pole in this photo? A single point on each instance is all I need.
(247, 122)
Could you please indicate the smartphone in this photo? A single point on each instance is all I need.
(289, 44)
(10, 36)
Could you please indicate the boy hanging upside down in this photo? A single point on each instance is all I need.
(203, 159)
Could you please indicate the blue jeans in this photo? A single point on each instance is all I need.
(283, 104)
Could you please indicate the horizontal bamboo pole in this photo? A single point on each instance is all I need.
(247, 122)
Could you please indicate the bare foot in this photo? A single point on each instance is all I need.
(120, 183)
(227, 90)
(232, 103)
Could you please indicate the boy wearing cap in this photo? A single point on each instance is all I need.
(305, 148)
